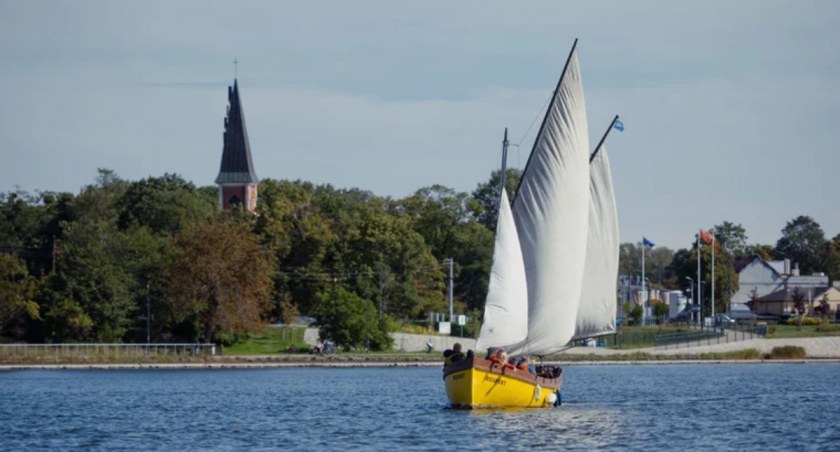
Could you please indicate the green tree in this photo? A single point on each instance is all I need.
(143, 257)
(833, 259)
(803, 242)
(165, 204)
(19, 219)
(487, 196)
(660, 310)
(629, 259)
(29, 226)
(684, 265)
(17, 289)
(350, 321)
(90, 282)
(291, 225)
(636, 315)
(765, 252)
(220, 277)
(435, 213)
(100, 201)
(657, 265)
(732, 238)
(446, 221)
(384, 257)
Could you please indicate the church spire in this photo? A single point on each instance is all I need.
(237, 180)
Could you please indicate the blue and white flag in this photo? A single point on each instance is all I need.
(647, 242)
(619, 125)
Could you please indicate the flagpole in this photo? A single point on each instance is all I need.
(713, 278)
(699, 286)
(603, 138)
(643, 294)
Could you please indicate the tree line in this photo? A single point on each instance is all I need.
(122, 259)
(89, 267)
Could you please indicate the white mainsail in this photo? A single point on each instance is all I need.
(551, 211)
(596, 312)
(506, 308)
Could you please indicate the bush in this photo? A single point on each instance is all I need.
(414, 329)
(787, 352)
(805, 321)
(347, 319)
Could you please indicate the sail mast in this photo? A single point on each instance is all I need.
(503, 175)
(545, 119)
(506, 307)
(603, 138)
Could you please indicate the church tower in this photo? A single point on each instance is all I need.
(237, 180)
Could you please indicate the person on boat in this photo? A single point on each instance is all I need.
(524, 363)
(454, 355)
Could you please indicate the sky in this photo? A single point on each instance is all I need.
(731, 109)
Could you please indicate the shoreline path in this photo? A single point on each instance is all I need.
(817, 349)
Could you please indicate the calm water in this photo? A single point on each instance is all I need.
(656, 407)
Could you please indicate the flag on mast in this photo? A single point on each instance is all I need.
(645, 244)
(699, 301)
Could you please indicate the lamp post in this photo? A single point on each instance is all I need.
(450, 262)
(148, 316)
(691, 281)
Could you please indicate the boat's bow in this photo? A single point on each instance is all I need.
(476, 382)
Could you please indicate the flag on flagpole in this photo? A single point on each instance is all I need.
(619, 125)
(647, 242)
(707, 237)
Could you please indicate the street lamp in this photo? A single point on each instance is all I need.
(450, 262)
(693, 301)
(148, 316)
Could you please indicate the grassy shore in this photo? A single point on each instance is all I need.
(387, 358)
(789, 331)
(285, 346)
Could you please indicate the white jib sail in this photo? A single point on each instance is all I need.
(596, 313)
(551, 211)
(506, 308)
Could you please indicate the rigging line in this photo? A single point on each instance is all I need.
(534, 121)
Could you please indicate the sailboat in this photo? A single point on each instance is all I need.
(552, 261)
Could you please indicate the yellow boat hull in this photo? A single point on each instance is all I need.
(475, 382)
